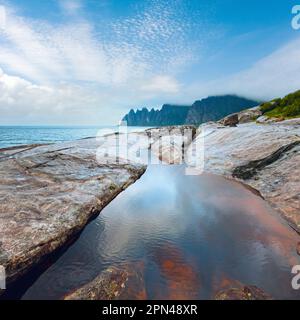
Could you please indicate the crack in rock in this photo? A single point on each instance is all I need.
(251, 169)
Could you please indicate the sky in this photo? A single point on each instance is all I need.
(88, 62)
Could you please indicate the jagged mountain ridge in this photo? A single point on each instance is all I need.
(168, 115)
(209, 109)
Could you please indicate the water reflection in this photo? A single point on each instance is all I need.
(187, 234)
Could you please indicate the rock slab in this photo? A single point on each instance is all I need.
(49, 193)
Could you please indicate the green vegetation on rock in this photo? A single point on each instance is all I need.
(286, 108)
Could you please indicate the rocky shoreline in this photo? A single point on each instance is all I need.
(50, 192)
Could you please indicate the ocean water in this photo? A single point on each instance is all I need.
(21, 135)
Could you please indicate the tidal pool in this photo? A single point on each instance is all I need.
(191, 235)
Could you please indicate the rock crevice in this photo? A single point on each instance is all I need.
(252, 168)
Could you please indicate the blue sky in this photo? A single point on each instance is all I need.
(89, 61)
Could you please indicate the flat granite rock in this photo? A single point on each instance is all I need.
(49, 193)
(264, 156)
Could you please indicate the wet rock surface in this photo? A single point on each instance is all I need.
(231, 289)
(243, 293)
(264, 156)
(49, 193)
(126, 282)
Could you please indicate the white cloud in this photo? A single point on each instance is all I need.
(19, 98)
(273, 76)
(22, 101)
(83, 72)
(43, 53)
(77, 51)
(71, 7)
(63, 67)
(161, 83)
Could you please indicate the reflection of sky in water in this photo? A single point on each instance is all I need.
(193, 234)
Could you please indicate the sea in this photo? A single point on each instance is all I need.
(11, 136)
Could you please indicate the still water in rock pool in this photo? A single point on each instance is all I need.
(189, 235)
